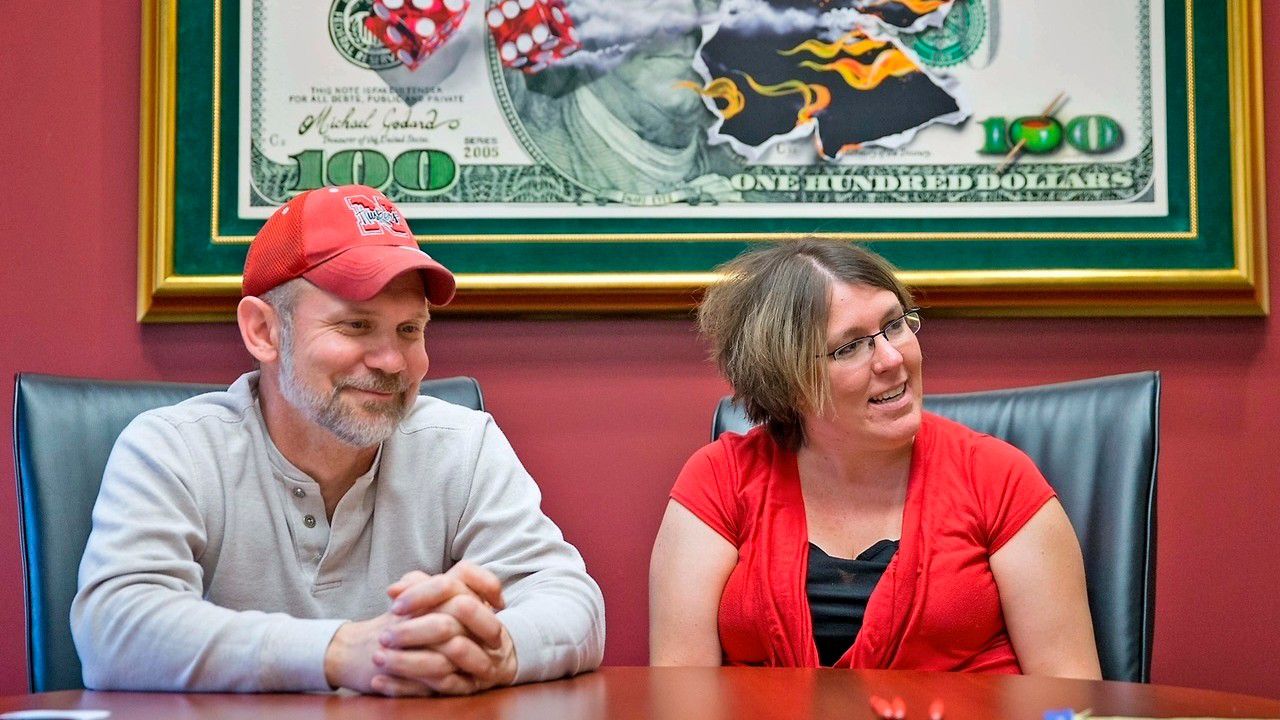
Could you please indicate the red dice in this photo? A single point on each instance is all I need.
(531, 34)
(413, 29)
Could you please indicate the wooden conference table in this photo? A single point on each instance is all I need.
(620, 693)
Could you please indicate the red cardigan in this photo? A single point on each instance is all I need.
(935, 608)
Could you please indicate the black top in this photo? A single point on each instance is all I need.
(838, 591)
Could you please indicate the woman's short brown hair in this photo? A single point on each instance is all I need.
(767, 323)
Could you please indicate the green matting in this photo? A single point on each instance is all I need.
(196, 255)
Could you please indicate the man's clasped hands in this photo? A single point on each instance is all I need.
(441, 635)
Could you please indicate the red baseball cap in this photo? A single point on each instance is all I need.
(348, 240)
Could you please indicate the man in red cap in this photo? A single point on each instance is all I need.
(319, 524)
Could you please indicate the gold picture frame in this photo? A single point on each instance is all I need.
(1239, 288)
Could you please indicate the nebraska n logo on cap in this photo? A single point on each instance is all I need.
(373, 217)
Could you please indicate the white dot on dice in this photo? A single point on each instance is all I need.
(509, 51)
(524, 43)
(455, 5)
(511, 9)
(393, 4)
(495, 18)
(424, 27)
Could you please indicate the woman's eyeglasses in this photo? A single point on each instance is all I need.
(896, 332)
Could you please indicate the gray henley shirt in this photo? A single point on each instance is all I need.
(211, 565)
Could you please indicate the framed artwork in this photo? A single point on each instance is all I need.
(1097, 157)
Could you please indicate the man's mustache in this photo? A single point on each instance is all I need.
(376, 381)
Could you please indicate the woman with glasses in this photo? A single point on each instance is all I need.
(851, 528)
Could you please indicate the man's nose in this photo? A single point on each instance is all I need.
(387, 356)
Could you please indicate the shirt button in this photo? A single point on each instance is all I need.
(309, 520)
(299, 492)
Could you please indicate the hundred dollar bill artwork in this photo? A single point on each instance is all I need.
(707, 109)
(1008, 156)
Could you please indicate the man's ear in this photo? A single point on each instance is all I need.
(259, 328)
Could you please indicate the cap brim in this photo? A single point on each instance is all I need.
(361, 272)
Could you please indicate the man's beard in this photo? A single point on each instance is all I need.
(328, 411)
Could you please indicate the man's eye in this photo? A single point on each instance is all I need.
(411, 329)
(895, 327)
(356, 324)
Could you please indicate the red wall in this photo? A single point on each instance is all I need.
(604, 411)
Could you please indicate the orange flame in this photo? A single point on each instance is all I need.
(854, 43)
(859, 76)
(720, 89)
(919, 7)
(847, 148)
(816, 97)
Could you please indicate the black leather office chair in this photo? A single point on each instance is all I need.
(1096, 441)
(63, 431)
